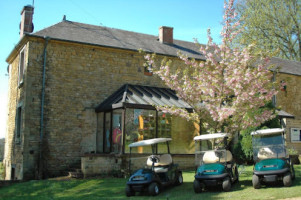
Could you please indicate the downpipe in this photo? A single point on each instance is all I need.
(41, 167)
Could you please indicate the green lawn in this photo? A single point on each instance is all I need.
(113, 188)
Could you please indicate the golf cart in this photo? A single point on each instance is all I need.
(158, 172)
(271, 161)
(215, 163)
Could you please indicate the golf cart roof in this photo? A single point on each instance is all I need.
(210, 136)
(268, 131)
(149, 142)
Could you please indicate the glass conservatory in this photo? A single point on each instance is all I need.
(129, 115)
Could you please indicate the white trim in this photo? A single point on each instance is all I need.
(149, 142)
(268, 131)
(210, 136)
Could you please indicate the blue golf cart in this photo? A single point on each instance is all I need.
(156, 171)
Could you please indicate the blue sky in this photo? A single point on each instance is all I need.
(190, 19)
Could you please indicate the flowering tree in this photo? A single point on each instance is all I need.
(228, 90)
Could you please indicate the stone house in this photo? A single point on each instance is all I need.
(289, 100)
(79, 94)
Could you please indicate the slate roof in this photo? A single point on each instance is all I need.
(283, 114)
(116, 38)
(146, 97)
(287, 66)
(143, 97)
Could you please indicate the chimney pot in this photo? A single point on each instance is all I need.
(26, 25)
(166, 35)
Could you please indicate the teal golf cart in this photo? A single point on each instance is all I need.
(215, 163)
(271, 161)
(152, 172)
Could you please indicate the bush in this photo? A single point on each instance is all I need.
(243, 151)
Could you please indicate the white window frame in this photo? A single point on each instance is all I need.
(295, 132)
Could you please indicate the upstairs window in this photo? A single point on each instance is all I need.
(148, 70)
(21, 67)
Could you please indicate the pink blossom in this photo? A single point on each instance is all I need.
(231, 91)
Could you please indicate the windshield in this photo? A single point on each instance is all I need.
(268, 146)
(141, 156)
(211, 151)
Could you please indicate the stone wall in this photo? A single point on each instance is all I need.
(94, 165)
(2, 149)
(13, 149)
(290, 101)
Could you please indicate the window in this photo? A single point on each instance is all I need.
(140, 125)
(117, 131)
(13, 172)
(145, 124)
(21, 67)
(107, 133)
(180, 130)
(147, 70)
(100, 130)
(295, 135)
(18, 125)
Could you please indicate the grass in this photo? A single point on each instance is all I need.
(113, 188)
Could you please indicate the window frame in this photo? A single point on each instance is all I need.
(107, 142)
(147, 71)
(18, 124)
(21, 66)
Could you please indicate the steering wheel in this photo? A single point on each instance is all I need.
(154, 159)
(218, 154)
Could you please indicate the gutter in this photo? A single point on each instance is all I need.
(14, 52)
(41, 167)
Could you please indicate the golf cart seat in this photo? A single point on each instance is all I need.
(211, 157)
(266, 152)
(164, 160)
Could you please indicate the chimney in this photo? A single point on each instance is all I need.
(26, 25)
(166, 35)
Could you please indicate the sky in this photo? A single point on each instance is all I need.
(189, 18)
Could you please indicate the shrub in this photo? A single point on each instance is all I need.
(243, 151)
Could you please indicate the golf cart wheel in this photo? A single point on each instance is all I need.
(197, 186)
(153, 189)
(256, 182)
(227, 184)
(179, 179)
(128, 191)
(287, 180)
